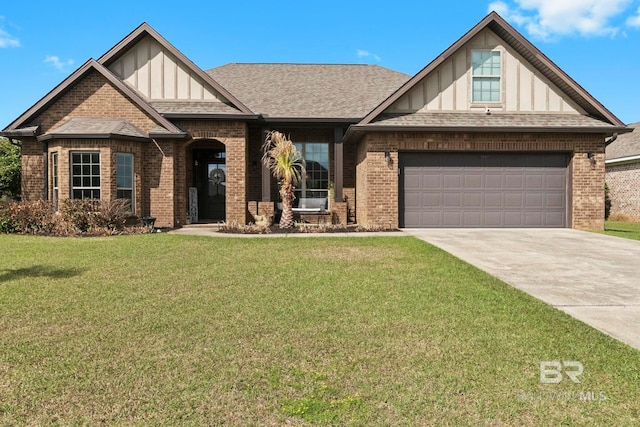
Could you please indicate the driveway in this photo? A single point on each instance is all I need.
(593, 277)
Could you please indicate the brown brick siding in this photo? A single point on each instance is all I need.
(377, 184)
(624, 188)
(32, 185)
(93, 97)
(234, 137)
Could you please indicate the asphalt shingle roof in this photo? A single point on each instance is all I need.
(493, 120)
(626, 145)
(98, 127)
(318, 91)
(193, 107)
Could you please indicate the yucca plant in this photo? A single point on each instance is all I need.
(285, 163)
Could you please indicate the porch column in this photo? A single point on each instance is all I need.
(45, 170)
(266, 175)
(339, 168)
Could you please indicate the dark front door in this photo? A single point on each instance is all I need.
(211, 180)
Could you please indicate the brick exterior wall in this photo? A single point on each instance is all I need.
(94, 96)
(32, 185)
(624, 188)
(234, 136)
(377, 183)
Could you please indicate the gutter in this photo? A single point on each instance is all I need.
(628, 159)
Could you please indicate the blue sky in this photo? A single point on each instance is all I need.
(597, 42)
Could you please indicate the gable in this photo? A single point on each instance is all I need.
(448, 87)
(85, 98)
(158, 75)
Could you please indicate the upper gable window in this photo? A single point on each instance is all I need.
(486, 74)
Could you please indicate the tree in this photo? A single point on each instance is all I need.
(10, 166)
(285, 163)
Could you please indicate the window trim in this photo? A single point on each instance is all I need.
(55, 178)
(132, 203)
(499, 76)
(72, 175)
(301, 192)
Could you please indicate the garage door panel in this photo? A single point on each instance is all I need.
(483, 190)
(433, 181)
(492, 181)
(472, 218)
(430, 200)
(473, 200)
(493, 200)
(452, 200)
(412, 200)
(534, 201)
(534, 182)
(513, 200)
(513, 181)
(452, 181)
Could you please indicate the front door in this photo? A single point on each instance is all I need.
(210, 177)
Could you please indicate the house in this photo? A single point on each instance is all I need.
(623, 174)
(491, 133)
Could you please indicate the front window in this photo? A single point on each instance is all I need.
(124, 178)
(315, 174)
(85, 175)
(54, 178)
(486, 72)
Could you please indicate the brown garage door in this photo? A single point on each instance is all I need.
(483, 189)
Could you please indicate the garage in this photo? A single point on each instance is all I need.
(483, 189)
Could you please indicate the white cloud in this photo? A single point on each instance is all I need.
(365, 54)
(6, 39)
(57, 63)
(634, 21)
(547, 19)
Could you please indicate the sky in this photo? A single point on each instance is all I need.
(596, 42)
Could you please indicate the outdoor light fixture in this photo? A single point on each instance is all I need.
(387, 157)
(592, 157)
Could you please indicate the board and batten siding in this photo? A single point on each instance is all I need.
(448, 87)
(158, 75)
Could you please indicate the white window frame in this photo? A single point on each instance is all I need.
(90, 188)
(478, 77)
(119, 188)
(55, 177)
(302, 191)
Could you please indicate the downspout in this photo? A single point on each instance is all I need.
(45, 163)
(612, 139)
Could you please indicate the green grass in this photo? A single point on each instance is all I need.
(184, 330)
(629, 230)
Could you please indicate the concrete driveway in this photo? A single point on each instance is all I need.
(593, 277)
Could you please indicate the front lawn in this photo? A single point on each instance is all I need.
(165, 329)
(629, 230)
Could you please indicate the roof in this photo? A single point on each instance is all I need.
(528, 51)
(319, 91)
(625, 146)
(493, 121)
(72, 80)
(177, 108)
(95, 128)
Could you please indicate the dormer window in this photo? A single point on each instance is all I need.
(486, 74)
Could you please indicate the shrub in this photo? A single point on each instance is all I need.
(74, 217)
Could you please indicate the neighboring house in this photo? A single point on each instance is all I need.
(490, 134)
(623, 174)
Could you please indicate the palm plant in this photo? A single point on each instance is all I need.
(285, 162)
